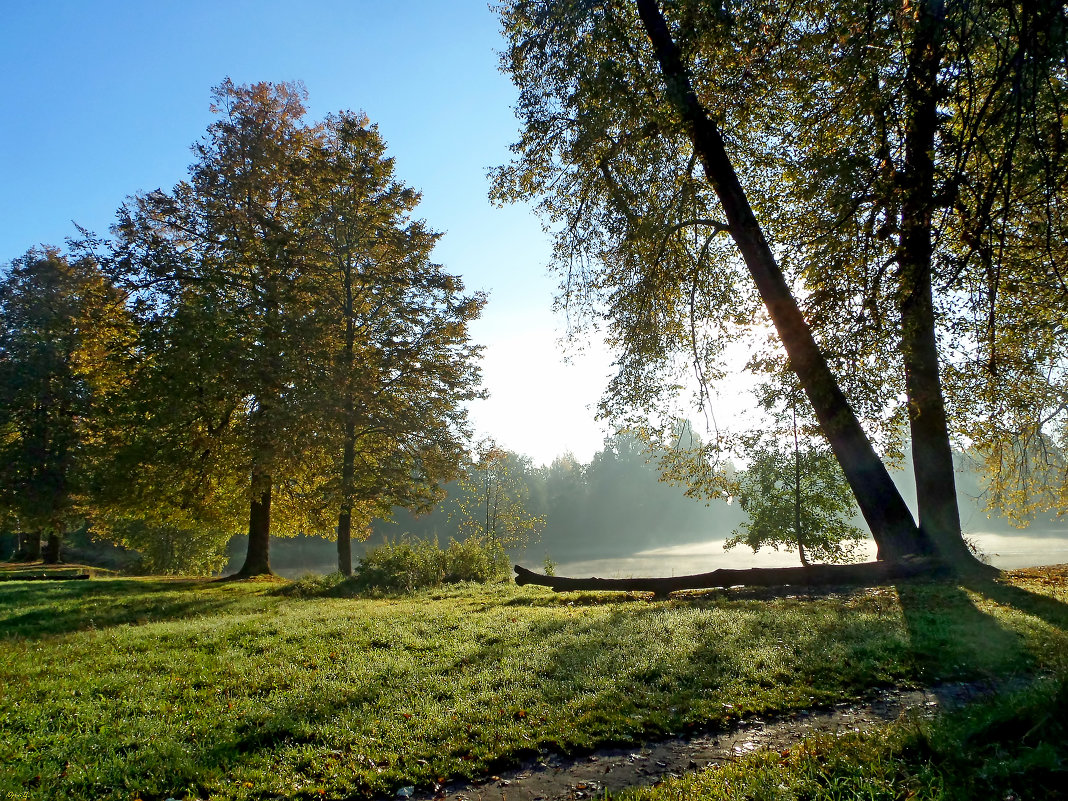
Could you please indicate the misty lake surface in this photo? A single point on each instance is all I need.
(1007, 551)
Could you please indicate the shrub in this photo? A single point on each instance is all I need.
(402, 566)
(410, 564)
(171, 550)
(475, 559)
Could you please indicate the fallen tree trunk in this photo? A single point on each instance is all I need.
(864, 574)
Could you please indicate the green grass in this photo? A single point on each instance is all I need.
(1015, 747)
(155, 689)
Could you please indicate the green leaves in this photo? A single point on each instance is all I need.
(797, 501)
(819, 107)
(492, 504)
(295, 330)
(64, 340)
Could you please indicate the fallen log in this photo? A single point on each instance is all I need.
(864, 574)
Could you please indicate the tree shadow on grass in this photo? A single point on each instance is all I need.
(953, 640)
(33, 610)
(304, 721)
(733, 660)
(616, 671)
(1002, 591)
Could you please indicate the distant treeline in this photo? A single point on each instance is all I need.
(615, 505)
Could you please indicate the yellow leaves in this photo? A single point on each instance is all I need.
(912, 8)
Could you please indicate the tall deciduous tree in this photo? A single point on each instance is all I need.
(930, 168)
(623, 106)
(63, 335)
(231, 288)
(403, 367)
(795, 494)
(493, 501)
(908, 187)
(304, 353)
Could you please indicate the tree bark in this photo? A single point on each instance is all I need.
(344, 542)
(268, 368)
(348, 472)
(886, 513)
(53, 549)
(932, 455)
(864, 574)
(348, 457)
(257, 557)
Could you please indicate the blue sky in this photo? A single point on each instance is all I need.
(104, 100)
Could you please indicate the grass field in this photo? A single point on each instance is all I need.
(1013, 748)
(125, 688)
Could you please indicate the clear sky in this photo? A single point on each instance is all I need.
(105, 98)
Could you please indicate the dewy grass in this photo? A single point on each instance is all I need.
(1009, 748)
(155, 689)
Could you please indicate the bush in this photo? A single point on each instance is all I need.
(410, 564)
(171, 550)
(475, 559)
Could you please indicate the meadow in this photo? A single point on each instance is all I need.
(155, 689)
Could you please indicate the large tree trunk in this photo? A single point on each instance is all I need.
(257, 557)
(264, 430)
(53, 549)
(932, 454)
(348, 457)
(886, 513)
(344, 542)
(344, 517)
(865, 574)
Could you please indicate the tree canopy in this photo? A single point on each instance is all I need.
(308, 359)
(64, 335)
(881, 182)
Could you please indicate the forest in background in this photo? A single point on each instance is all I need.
(615, 505)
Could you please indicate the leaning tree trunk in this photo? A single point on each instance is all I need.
(257, 558)
(886, 513)
(53, 549)
(932, 455)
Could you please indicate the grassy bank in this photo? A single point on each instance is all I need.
(156, 689)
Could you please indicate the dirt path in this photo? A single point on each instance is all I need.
(555, 778)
